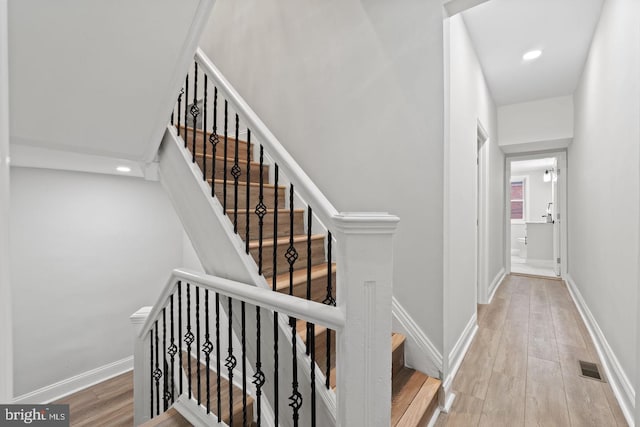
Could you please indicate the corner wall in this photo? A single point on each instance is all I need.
(354, 91)
(87, 250)
(604, 182)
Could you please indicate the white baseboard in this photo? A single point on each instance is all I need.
(456, 356)
(495, 284)
(420, 353)
(71, 385)
(620, 383)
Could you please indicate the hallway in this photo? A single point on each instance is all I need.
(522, 367)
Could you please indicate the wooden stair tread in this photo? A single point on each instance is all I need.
(200, 154)
(300, 276)
(396, 341)
(404, 388)
(253, 244)
(268, 211)
(244, 183)
(200, 131)
(169, 418)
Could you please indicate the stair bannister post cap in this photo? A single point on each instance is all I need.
(366, 222)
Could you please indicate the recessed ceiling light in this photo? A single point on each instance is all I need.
(123, 169)
(532, 54)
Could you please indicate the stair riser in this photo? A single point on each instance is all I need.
(242, 145)
(321, 350)
(267, 226)
(317, 256)
(397, 359)
(318, 288)
(268, 194)
(255, 171)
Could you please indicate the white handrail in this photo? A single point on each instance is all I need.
(304, 186)
(310, 311)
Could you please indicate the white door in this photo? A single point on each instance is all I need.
(556, 218)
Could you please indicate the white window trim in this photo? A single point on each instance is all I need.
(525, 199)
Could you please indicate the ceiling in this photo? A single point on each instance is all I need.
(534, 164)
(503, 30)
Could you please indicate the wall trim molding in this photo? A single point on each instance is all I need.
(76, 383)
(456, 355)
(620, 383)
(495, 284)
(428, 359)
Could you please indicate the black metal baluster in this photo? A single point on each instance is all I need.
(179, 109)
(309, 222)
(198, 382)
(235, 173)
(246, 230)
(151, 370)
(226, 140)
(311, 338)
(195, 111)
(244, 364)
(207, 348)
(204, 131)
(188, 338)
(258, 377)
(165, 382)
(180, 330)
(329, 300)
(172, 352)
(292, 253)
(186, 107)
(296, 397)
(157, 373)
(231, 359)
(214, 140)
(261, 211)
(218, 369)
(274, 284)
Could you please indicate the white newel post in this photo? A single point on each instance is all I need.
(364, 290)
(141, 375)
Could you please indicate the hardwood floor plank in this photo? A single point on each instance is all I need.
(475, 372)
(465, 411)
(504, 404)
(545, 403)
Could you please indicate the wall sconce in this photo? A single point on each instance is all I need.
(547, 176)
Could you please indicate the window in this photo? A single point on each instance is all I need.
(517, 199)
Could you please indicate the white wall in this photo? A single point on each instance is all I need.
(6, 370)
(470, 102)
(604, 179)
(87, 250)
(549, 119)
(354, 90)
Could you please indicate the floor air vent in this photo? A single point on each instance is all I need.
(590, 370)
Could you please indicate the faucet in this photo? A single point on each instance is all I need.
(548, 216)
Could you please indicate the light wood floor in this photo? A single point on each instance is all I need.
(109, 403)
(522, 367)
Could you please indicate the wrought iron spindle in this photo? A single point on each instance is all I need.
(231, 359)
(165, 382)
(226, 140)
(276, 406)
(207, 348)
(218, 370)
(195, 111)
(261, 211)
(258, 377)
(296, 397)
(274, 275)
(179, 109)
(204, 130)
(173, 349)
(246, 230)
(329, 300)
(292, 253)
(198, 382)
(186, 107)
(151, 370)
(309, 221)
(179, 349)
(214, 140)
(235, 173)
(244, 363)
(311, 339)
(157, 373)
(188, 338)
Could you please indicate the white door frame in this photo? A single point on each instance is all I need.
(561, 156)
(482, 229)
(6, 331)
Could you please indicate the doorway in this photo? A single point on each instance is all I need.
(535, 229)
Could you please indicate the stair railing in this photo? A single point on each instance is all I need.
(209, 115)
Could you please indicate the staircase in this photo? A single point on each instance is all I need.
(414, 394)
